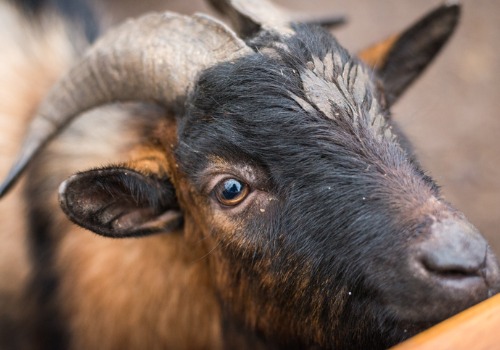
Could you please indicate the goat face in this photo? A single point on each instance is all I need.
(323, 220)
(319, 226)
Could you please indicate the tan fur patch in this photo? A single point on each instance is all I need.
(116, 294)
(152, 292)
(375, 55)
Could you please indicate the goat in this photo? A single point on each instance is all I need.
(278, 204)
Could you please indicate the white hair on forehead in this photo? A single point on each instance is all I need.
(338, 83)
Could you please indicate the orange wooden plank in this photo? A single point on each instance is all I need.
(477, 328)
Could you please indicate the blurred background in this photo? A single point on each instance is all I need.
(452, 114)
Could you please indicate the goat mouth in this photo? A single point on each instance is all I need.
(430, 302)
(420, 315)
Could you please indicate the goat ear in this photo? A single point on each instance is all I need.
(120, 202)
(400, 59)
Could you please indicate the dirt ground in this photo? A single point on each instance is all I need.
(451, 114)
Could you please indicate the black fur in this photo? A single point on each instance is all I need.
(46, 323)
(415, 47)
(236, 113)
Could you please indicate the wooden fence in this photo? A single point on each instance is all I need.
(477, 328)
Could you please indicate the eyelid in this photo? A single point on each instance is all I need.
(216, 175)
(217, 179)
(255, 177)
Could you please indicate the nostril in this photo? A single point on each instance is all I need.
(454, 251)
(451, 270)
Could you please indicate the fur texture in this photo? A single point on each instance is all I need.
(32, 59)
(318, 255)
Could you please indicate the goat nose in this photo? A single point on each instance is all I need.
(455, 254)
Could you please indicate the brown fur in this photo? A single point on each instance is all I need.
(101, 279)
(374, 55)
(102, 294)
(32, 59)
(108, 306)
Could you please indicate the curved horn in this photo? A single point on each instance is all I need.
(153, 58)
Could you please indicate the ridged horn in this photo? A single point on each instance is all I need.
(153, 58)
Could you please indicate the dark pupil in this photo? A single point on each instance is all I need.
(232, 189)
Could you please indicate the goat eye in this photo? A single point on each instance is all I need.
(231, 192)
